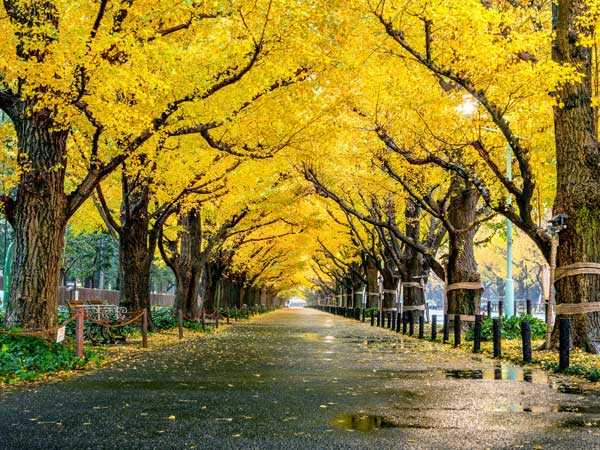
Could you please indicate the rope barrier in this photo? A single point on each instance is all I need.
(413, 307)
(580, 268)
(468, 285)
(565, 309)
(413, 284)
(463, 317)
(40, 332)
(106, 324)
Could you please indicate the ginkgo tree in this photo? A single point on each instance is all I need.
(113, 76)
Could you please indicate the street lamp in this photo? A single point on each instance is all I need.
(509, 283)
(467, 108)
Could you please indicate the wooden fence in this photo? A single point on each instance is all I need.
(104, 295)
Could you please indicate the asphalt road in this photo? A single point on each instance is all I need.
(302, 379)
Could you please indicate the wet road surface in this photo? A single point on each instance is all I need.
(303, 379)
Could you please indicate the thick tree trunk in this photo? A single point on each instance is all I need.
(372, 285)
(39, 216)
(389, 285)
(188, 266)
(578, 177)
(135, 258)
(211, 274)
(462, 266)
(415, 270)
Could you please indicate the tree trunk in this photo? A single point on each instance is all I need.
(389, 285)
(415, 270)
(578, 183)
(135, 258)
(188, 266)
(212, 274)
(39, 217)
(372, 285)
(462, 267)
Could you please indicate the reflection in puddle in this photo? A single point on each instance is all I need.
(579, 409)
(361, 422)
(502, 372)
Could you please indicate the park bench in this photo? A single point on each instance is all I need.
(101, 320)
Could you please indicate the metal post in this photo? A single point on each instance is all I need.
(456, 330)
(497, 334)
(7, 272)
(421, 326)
(411, 323)
(526, 341)
(563, 343)
(477, 334)
(446, 329)
(434, 327)
(549, 303)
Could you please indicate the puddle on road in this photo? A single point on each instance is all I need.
(361, 422)
(544, 409)
(503, 372)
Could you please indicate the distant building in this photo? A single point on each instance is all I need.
(296, 302)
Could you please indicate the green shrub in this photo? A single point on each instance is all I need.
(163, 317)
(28, 358)
(511, 328)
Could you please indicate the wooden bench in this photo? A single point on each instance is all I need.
(96, 315)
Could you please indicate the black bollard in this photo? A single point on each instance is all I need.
(456, 330)
(379, 319)
(516, 308)
(489, 308)
(393, 327)
(528, 303)
(497, 332)
(434, 327)
(500, 308)
(372, 318)
(446, 329)
(526, 340)
(404, 322)
(364, 313)
(411, 323)
(563, 343)
(421, 326)
(477, 334)
(398, 322)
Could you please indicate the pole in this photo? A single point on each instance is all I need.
(180, 322)
(145, 329)
(7, 272)
(549, 305)
(79, 331)
(509, 284)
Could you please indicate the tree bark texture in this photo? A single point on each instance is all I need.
(462, 267)
(38, 215)
(187, 267)
(578, 174)
(135, 256)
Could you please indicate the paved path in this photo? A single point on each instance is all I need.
(302, 379)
